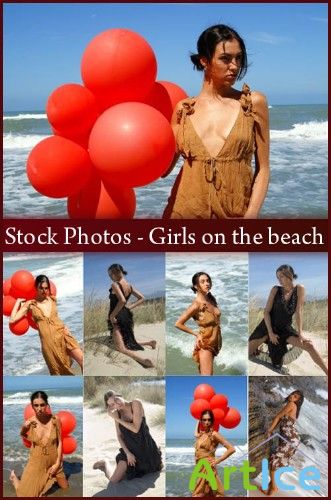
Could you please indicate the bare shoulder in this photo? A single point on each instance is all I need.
(290, 405)
(137, 403)
(300, 287)
(259, 99)
(274, 290)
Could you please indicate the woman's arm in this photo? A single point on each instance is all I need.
(267, 319)
(299, 308)
(139, 296)
(230, 449)
(196, 430)
(262, 171)
(175, 122)
(120, 304)
(189, 313)
(138, 413)
(19, 310)
(288, 408)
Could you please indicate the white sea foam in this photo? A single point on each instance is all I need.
(26, 116)
(11, 141)
(314, 130)
(20, 399)
(322, 393)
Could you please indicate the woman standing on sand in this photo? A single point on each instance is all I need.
(139, 454)
(44, 467)
(205, 311)
(120, 318)
(276, 328)
(217, 133)
(207, 441)
(286, 420)
(58, 346)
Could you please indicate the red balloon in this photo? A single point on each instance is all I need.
(68, 422)
(72, 110)
(218, 415)
(32, 324)
(219, 401)
(6, 286)
(20, 327)
(22, 283)
(164, 96)
(29, 411)
(131, 144)
(118, 65)
(26, 442)
(204, 391)
(53, 290)
(198, 406)
(232, 419)
(69, 445)
(100, 201)
(8, 304)
(58, 167)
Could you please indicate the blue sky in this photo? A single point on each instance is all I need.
(311, 268)
(179, 395)
(145, 272)
(286, 43)
(42, 382)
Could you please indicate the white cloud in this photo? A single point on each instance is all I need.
(269, 38)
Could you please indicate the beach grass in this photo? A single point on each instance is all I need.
(315, 316)
(96, 313)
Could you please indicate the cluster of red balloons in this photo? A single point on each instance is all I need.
(111, 134)
(68, 424)
(205, 398)
(20, 285)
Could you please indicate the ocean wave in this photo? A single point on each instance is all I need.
(190, 450)
(26, 116)
(57, 400)
(314, 130)
(11, 141)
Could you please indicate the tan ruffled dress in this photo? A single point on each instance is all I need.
(35, 481)
(56, 340)
(205, 447)
(214, 187)
(210, 331)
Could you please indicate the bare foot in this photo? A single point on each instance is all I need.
(100, 464)
(153, 344)
(265, 492)
(272, 491)
(147, 363)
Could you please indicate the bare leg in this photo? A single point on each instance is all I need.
(147, 363)
(104, 466)
(119, 472)
(310, 348)
(77, 355)
(206, 359)
(272, 485)
(63, 483)
(151, 343)
(255, 343)
(14, 479)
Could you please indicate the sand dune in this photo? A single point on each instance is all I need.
(101, 359)
(100, 442)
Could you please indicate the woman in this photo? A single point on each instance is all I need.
(276, 328)
(207, 441)
(286, 419)
(205, 311)
(217, 133)
(57, 344)
(139, 453)
(44, 467)
(120, 316)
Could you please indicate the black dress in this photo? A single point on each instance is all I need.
(281, 322)
(143, 447)
(124, 321)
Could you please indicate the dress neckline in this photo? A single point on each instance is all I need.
(40, 309)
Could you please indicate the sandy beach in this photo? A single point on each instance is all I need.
(303, 365)
(100, 442)
(100, 359)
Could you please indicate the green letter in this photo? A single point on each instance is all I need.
(204, 470)
(246, 469)
(227, 473)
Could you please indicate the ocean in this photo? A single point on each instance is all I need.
(229, 274)
(22, 354)
(298, 187)
(15, 454)
(180, 464)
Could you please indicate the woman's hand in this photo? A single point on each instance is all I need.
(29, 423)
(273, 338)
(53, 469)
(113, 319)
(269, 432)
(198, 341)
(130, 458)
(111, 413)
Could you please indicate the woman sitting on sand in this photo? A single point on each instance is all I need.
(207, 441)
(58, 346)
(286, 420)
(44, 467)
(205, 311)
(276, 327)
(139, 453)
(120, 318)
